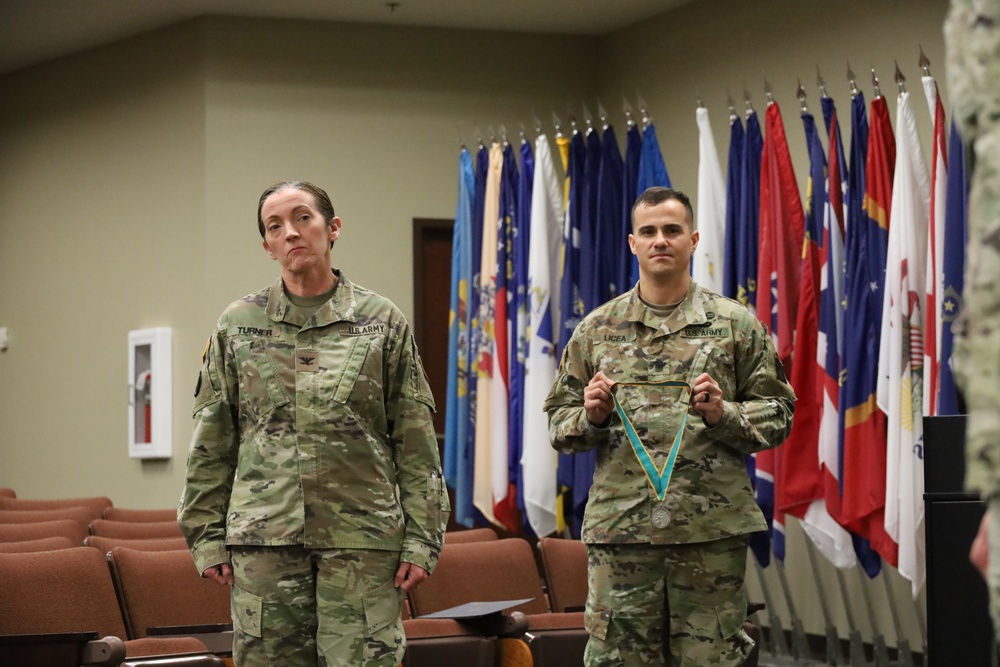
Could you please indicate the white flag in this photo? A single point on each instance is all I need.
(538, 459)
(901, 355)
(935, 251)
(711, 218)
(488, 381)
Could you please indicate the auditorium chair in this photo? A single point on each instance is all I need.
(41, 544)
(564, 565)
(135, 530)
(106, 544)
(71, 591)
(501, 570)
(7, 492)
(162, 593)
(470, 535)
(439, 641)
(126, 514)
(82, 515)
(97, 504)
(17, 532)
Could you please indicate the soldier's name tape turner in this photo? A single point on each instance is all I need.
(658, 479)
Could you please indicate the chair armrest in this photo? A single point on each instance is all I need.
(107, 651)
(513, 626)
(69, 648)
(217, 637)
(179, 660)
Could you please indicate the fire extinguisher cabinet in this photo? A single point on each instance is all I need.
(149, 394)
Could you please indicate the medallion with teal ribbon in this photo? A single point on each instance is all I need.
(658, 479)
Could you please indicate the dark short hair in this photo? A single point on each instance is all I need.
(319, 194)
(657, 195)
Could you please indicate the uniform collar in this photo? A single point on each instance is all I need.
(690, 311)
(342, 306)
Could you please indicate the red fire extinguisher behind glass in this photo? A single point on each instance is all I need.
(144, 385)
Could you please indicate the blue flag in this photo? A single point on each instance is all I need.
(610, 240)
(748, 221)
(745, 271)
(652, 171)
(570, 300)
(734, 190)
(859, 305)
(956, 234)
(571, 307)
(457, 471)
(630, 183)
(465, 512)
(589, 289)
(518, 316)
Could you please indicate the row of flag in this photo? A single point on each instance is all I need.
(857, 281)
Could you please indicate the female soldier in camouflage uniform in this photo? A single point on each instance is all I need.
(313, 484)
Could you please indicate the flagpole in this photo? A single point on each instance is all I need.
(881, 653)
(922, 624)
(834, 656)
(904, 657)
(800, 645)
(777, 631)
(856, 654)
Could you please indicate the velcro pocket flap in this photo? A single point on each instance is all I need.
(732, 613)
(383, 606)
(596, 622)
(247, 611)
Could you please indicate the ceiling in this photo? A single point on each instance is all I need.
(34, 31)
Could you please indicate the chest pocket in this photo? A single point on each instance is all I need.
(261, 389)
(343, 367)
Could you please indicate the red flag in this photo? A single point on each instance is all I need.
(779, 268)
(800, 479)
(781, 232)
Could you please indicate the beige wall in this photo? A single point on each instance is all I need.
(129, 177)
(102, 172)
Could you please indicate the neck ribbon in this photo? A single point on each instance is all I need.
(658, 479)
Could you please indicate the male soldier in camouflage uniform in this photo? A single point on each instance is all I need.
(313, 485)
(656, 541)
(972, 34)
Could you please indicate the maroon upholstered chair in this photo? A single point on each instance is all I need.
(126, 514)
(17, 532)
(82, 515)
(96, 503)
(135, 529)
(42, 544)
(432, 642)
(71, 591)
(501, 570)
(158, 589)
(106, 544)
(470, 535)
(564, 564)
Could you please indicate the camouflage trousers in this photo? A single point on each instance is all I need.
(308, 607)
(679, 605)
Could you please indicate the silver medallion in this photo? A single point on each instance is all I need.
(661, 516)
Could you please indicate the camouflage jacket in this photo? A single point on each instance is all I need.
(316, 433)
(972, 38)
(709, 496)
